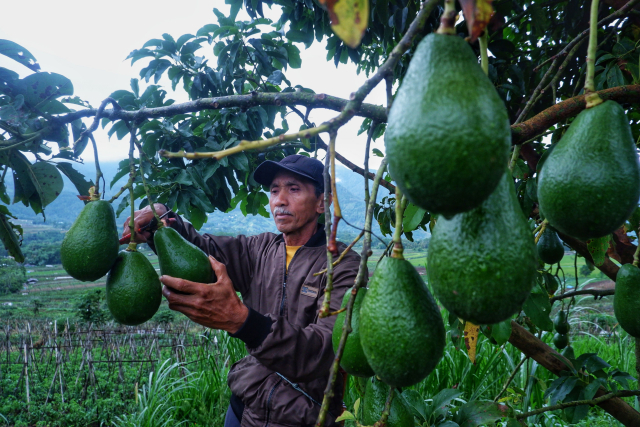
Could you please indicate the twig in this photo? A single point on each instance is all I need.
(342, 255)
(597, 293)
(132, 174)
(621, 393)
(382, 422)
(337, 213)
(99, 175)
(511, 377)
(326, 308)
(543, 226)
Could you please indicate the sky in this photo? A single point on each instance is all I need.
(88, 42)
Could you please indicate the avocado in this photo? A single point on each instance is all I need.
(626, 300)
(590, 183)
(180, 258)
(560, 340)
(560, 323)
(375, 396)
(550, 249)
(90, 247)
(481, 264)
(401, 329)
(134, 292)
(353, 360)
(448, 135)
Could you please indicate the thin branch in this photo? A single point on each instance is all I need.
(597, 293)
(597, 400)
(326, 308)
(511, 378)
(342, 255)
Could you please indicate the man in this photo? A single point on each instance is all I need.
(282, 381)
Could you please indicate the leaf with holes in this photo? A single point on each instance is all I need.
(40, 88)
(349, 19)
(471, 340)
(477, 14)
(76, 178)
(598, 249)
(19, 54)
(8, 235)
(478, 413)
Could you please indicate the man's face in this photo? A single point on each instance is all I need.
(293, 202)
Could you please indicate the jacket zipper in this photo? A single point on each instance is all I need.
(269, 401)
(284, 283)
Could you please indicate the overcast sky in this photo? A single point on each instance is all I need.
(88, 41)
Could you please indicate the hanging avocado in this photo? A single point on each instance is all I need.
(353, 360)
(401, 329)
(560, 323)
(448, 134)
(550, 248)
(626, 300)
(134, 292)
(179, 258)
(90, 247)
(482, 264)
(590, 183)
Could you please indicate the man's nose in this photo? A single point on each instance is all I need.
(280, 199)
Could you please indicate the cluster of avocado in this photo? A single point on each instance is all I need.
(90, 250)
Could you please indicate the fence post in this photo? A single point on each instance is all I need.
(26, 374)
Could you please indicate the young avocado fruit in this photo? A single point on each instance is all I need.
(626, 300)
(550, 249)
(560, 340)
(482, 264)
(134, 292)
(178, 257)
(590, 183)
(560, 323)
(353, 360)
(401, 329)
(375, 396)
(90, 247)
(448, 134)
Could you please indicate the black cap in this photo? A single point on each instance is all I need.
(301, 165)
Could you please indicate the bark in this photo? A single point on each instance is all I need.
(532, 347)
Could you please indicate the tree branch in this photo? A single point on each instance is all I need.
(596, 401)
(608, 267)
(534, 348)
(595, 292)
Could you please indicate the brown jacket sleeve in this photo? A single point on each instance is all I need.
(234, 252)
(303, 354)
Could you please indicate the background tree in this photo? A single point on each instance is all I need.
(234, 73)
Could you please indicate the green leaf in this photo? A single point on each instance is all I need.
(416, 403)
(346, 415)
(19, 54)
(39, 88)
(501, 331)
(441, 401)
(598, 249)
(76, 178)
(538, 308)
(477, 413)
(294, 56)
(377, 152)
(198, 218)
(412, 217)
(8, 236)
(48, 181)
(38, 184)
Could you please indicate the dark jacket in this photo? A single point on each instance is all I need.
(287, 342)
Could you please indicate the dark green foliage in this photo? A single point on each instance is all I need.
(401, 329)
(179, 258)
(12, 276)
(375, 396)
(481, 264)
(447, 114)
(90, 307)
(590, 183)
(626, 301)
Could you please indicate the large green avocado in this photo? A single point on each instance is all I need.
(353, 360)
(375, 396)
(134, 292)
(482, 264)
(626, 301)
(401, 329)
(549, 247)
(448, 134)
(179, 258)
(590, 183)
(90, 247)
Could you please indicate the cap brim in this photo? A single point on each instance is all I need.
(267, 170)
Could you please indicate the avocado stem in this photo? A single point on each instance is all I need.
(636, 255)
(448, 19)
(484, 57)
(401, 203)
(541, 230)
(591, 97)
(132, 174)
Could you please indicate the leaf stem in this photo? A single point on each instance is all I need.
(448, 18)
(597, 400)
(543, 226)
(397, 232)
(591, 96)
(484, 57)
(99, 175)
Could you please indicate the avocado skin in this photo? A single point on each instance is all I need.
(90, 247)
(401, 329)
(626, 300)
(180, 258)
(549, 247)
(590, 183)
(560, 323)
(560, 340)
(353, 360)
(448, 135)
(482, 264)
(375, 396)
(134, 292)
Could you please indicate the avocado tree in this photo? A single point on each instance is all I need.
(198, 156)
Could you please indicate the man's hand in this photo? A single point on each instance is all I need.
(215, 305)
(142, 218)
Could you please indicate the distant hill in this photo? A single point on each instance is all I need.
(62, 212)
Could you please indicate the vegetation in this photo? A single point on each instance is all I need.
(198, 157)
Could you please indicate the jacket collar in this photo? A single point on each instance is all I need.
(317, 240)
